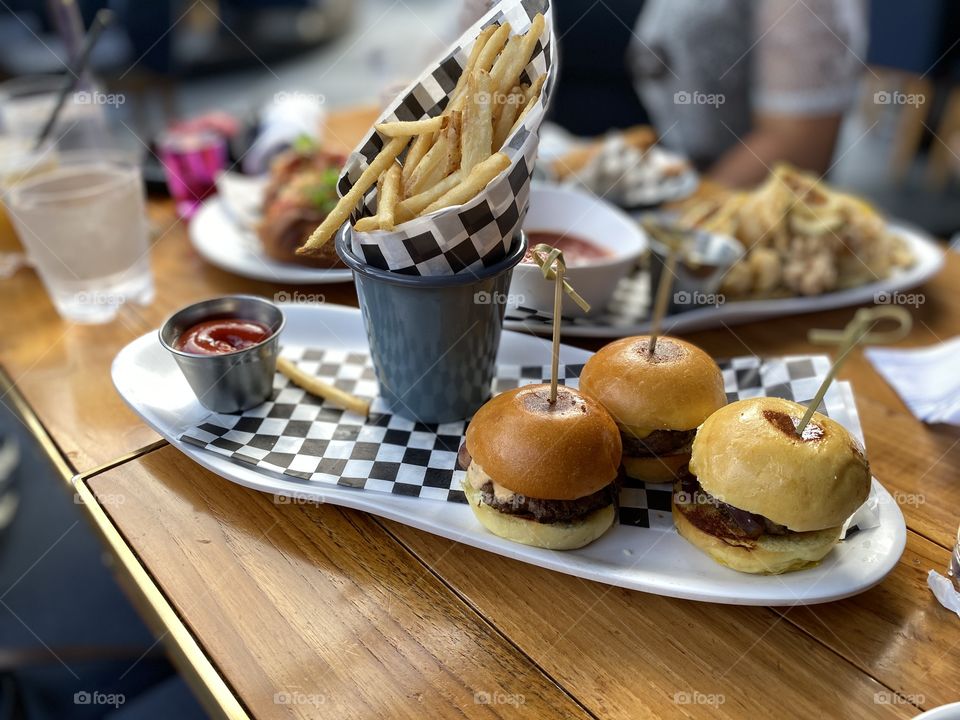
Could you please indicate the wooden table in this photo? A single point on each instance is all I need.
(289, 610)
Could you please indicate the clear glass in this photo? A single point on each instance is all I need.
(83, 224)
(27, 101)
(191, 162)
(18, 161)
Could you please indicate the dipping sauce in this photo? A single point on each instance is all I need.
(226, 335)
(576, 250)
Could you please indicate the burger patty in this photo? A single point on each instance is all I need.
(551, 511)
(718, 518)
(659, 442)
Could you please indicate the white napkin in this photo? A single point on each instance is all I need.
(943, 590)
(290, 115)
(926, 379)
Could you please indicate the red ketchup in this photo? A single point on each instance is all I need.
(576, 250)
(216, 337)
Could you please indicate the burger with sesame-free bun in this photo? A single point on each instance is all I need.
(657, 401)
(541, 473)
(759, 497)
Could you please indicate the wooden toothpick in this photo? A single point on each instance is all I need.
(857, 332)
(663, 294)
(555, 350)
(553, 267)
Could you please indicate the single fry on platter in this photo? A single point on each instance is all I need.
(318, 387)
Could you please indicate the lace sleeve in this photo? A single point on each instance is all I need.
(808, 55)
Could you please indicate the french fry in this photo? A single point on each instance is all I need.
(508, 115)
(454, 131)
(476, 181)
(439, 161)
(387, 203)
(316, 386)
(415, 154)
(420, 147)
(469, 68)
(511, 66)
(413, 206)
(485, 61)
(367, 224)
(339, 215)
(407, 128)
(380, 186)
(492, 48)
(477, 134)
(509, 59)
(532, 94)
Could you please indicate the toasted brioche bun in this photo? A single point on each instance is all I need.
(768, 554)
(552, 536)
(560, 452)
(659, 469)
(748, 455)
(676, 389)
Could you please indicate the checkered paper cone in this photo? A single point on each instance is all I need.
(479, 232)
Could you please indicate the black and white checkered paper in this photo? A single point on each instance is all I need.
(628, 309)
(478, 233)
(303, 437)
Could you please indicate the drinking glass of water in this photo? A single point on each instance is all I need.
(83, 223)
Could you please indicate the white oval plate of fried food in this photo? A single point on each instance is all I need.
(232, 246)
(809, 248)
(654, 559)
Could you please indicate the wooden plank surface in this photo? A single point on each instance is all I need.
(313, 611)
(63, 371)
(897, 632)
(626, 654)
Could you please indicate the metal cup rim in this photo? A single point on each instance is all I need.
(235, 353)
(512, 258)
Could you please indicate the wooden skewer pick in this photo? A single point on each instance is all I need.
(555, 350)
(857, 332)
(663, 294)
(553, 267)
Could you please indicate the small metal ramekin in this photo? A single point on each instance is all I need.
(704, 260)
(228, 382)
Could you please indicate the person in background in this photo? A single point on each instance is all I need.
(736, 85)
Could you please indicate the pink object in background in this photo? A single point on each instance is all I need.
(191, 160)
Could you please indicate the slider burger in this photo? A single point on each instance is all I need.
(760, 498)
(543, 474)
(657, 401)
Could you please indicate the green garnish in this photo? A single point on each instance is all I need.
(304, 144)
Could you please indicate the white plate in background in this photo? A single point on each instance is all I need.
(604, 324)
(223, 241)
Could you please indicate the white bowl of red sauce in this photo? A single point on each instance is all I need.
(601, 244)
(227, 349)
